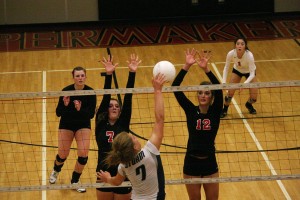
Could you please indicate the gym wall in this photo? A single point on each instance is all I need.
(64, 11)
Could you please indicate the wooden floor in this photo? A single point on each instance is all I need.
(276, 60)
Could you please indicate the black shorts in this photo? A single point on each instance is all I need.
(200, 167)
(74, 126)
(240, 74)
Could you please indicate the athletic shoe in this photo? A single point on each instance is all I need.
(223, 114)
(53, 177)
(250, 108)
(80, 190)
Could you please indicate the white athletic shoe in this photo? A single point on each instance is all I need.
(53, 177)
(80, 190)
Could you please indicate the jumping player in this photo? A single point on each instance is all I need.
(142, 166)
(203, 122)
(111, 120)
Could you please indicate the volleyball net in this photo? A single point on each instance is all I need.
(264, 146)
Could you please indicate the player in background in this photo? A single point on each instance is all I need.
(243, 66)
(75, 114)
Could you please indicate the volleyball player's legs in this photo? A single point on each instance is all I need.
(104, 195)
(65, 139)
(82, 137)
(211, 189)
(122, 193)
(193, 190)
(235, 78)
(252, 98)
(122, 196)
(112, 195)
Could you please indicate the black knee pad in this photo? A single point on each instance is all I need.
(252, 100)
(228, 99)
(82, 160)
(60, 160)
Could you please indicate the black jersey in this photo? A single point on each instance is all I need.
(72, 119)
(202, 128)
(105, 132)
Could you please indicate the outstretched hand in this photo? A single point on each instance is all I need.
(158, 81)
(103, 176)
(203, 59)
(133, 62)
(108, 64)
(189, 58)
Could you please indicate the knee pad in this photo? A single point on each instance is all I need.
(228, 99)
(251, 100)
(60, 160)
(82, 160)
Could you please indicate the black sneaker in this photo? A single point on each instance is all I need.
(250, 108)
(223, 114)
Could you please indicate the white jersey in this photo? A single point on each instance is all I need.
(243, 65)
(146, 174)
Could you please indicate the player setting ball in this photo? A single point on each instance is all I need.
(166, 68)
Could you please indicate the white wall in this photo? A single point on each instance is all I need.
(47, 11)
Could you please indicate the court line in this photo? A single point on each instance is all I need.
(256, 141)
(44, 136)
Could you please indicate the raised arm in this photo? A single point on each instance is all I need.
(158, 129)
(189, 59)
(183, 101)
(125, 116)
(203, 63)
(108, 64)
(203, 59)
(133, 62)
(109, 68)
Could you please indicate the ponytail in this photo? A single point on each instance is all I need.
(122, 150)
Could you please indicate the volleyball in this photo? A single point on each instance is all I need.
(166, 68)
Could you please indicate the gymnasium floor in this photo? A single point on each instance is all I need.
(38, 68)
